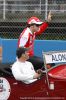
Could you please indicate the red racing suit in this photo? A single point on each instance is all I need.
(27, 38)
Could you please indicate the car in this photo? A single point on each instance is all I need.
(40, 89)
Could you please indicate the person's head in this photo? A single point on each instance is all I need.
(34, 23)
(22, 53)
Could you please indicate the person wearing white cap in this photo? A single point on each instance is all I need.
(27, 37)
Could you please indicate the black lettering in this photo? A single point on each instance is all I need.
(1, 81)
(60, 57)
(54, 58)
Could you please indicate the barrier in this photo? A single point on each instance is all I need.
(0, 41)
(10, 45)
(48, 45)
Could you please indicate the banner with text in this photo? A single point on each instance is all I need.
(55, 57)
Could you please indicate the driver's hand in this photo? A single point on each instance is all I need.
(39, 71)
(36, 76)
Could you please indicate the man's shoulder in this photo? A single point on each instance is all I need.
(25, 32)
(28, 62)
(15, 63)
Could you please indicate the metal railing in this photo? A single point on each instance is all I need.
(14, 14)
(11, 8)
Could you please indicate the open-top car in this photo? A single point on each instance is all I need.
(50, 86)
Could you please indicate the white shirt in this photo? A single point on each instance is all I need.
(23, 71)
(24, 37)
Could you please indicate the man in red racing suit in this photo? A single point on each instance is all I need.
(27, 37)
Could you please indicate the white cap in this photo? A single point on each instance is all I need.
(34, 20)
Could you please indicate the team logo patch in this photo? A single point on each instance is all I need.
(4, 89)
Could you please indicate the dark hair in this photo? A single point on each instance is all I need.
(20, 51)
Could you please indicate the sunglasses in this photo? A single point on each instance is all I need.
(37, 25)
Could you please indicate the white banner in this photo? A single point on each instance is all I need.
(55, 57)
